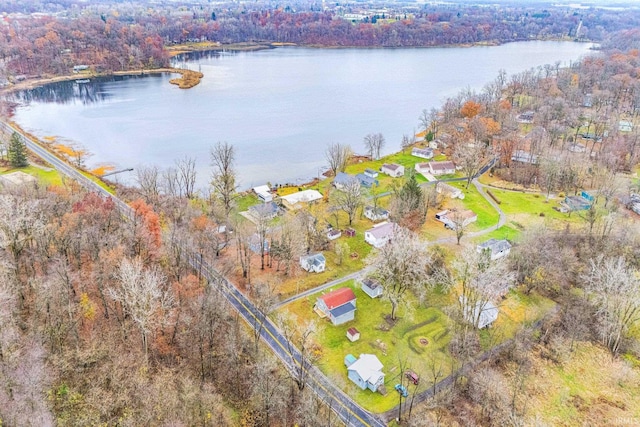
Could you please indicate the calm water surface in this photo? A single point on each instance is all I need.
(280, 108)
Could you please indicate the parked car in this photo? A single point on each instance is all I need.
(413, 377)
(402, 390)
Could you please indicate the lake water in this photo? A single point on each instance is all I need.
(280, 108)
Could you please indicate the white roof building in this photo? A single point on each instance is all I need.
(264, 193)
(294, 201)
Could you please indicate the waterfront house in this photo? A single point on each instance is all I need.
(343, 180)
(338, 305)
(425, 153)
(297, 200)
(371, 173)
(264, 211)
(366, 181)
(264, 193)
(392, 169)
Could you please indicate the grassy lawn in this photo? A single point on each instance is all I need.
(508, 231)
(402, 342)
(45, 177)
(516, 309)
(473, 200)
(590, 388)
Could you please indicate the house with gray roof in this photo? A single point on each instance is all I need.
(314, 263)
(496, 248)
(263, 211)
(425, 153)
(380, 234)
(481, 315)
(343, 180)
(392, 169)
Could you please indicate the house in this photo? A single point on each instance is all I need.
(433, 144)
(422, 168)
(522, 156)
(380, 234)
(481, 315)
(366, 180)
(377, 214)
(625, 126)
(449, 190)
(350, 232)
(297, 200)
(425, 153)
(315, 263)
(338, 305)
(349, 359)
(526, 117)
(264, 193)
(353, 335)
(17, 179)
(264, 211)
(78, 68)
(576, 147)
(366, 372)
(453, 218)
(496, 248)
(343, 180)
(442, 168)
(333, 234)
(371, 173)
(254, 244)
(372, 287)
(392, 169)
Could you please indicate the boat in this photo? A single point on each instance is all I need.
(83, 81)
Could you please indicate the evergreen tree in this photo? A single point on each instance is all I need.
(17, 152)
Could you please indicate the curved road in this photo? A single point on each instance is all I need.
(347, 410)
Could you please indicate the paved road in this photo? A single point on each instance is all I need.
(346, 409)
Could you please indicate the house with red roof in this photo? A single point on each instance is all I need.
(338, 305)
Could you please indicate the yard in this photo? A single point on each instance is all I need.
(418, 339)
(45, 177)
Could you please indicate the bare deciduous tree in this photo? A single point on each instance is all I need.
(614, 287)
(400, 265)
(186, 168)
(470, 158)
(374, 143)
(223, 179)
(349, 199)
(148, 180)
(143, 295)
(337, 155)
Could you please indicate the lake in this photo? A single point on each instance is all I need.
(280, 108)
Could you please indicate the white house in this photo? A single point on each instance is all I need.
(442, 168)
(263, 192)
(449, 190)
(392, 169)
(625, 126)
(377, 214)
(425, 153)
(343, 180)
(422, 167)
(334, 234)
(371, 173)
(366, 372)
(297, 200)
(338, 305)
(315, 263)
(496, 248)
(371, 287)
(380, 234)
(481, 315)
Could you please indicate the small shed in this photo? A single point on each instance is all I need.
(333, 234)
(371, 173)
(354, 335)
(350, 232)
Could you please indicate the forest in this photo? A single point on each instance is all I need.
(42, 40)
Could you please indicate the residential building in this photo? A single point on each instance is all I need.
(380, 234)
(496, 248)
(264, 211)
(392, 169)
(297, 200)
(366, 372)
(343, 180)
(264, 193)
(371, 287)
(377, 214)
(314, 263)
(445, 167)
(481, 315)
(425, 153)
(338, 305)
